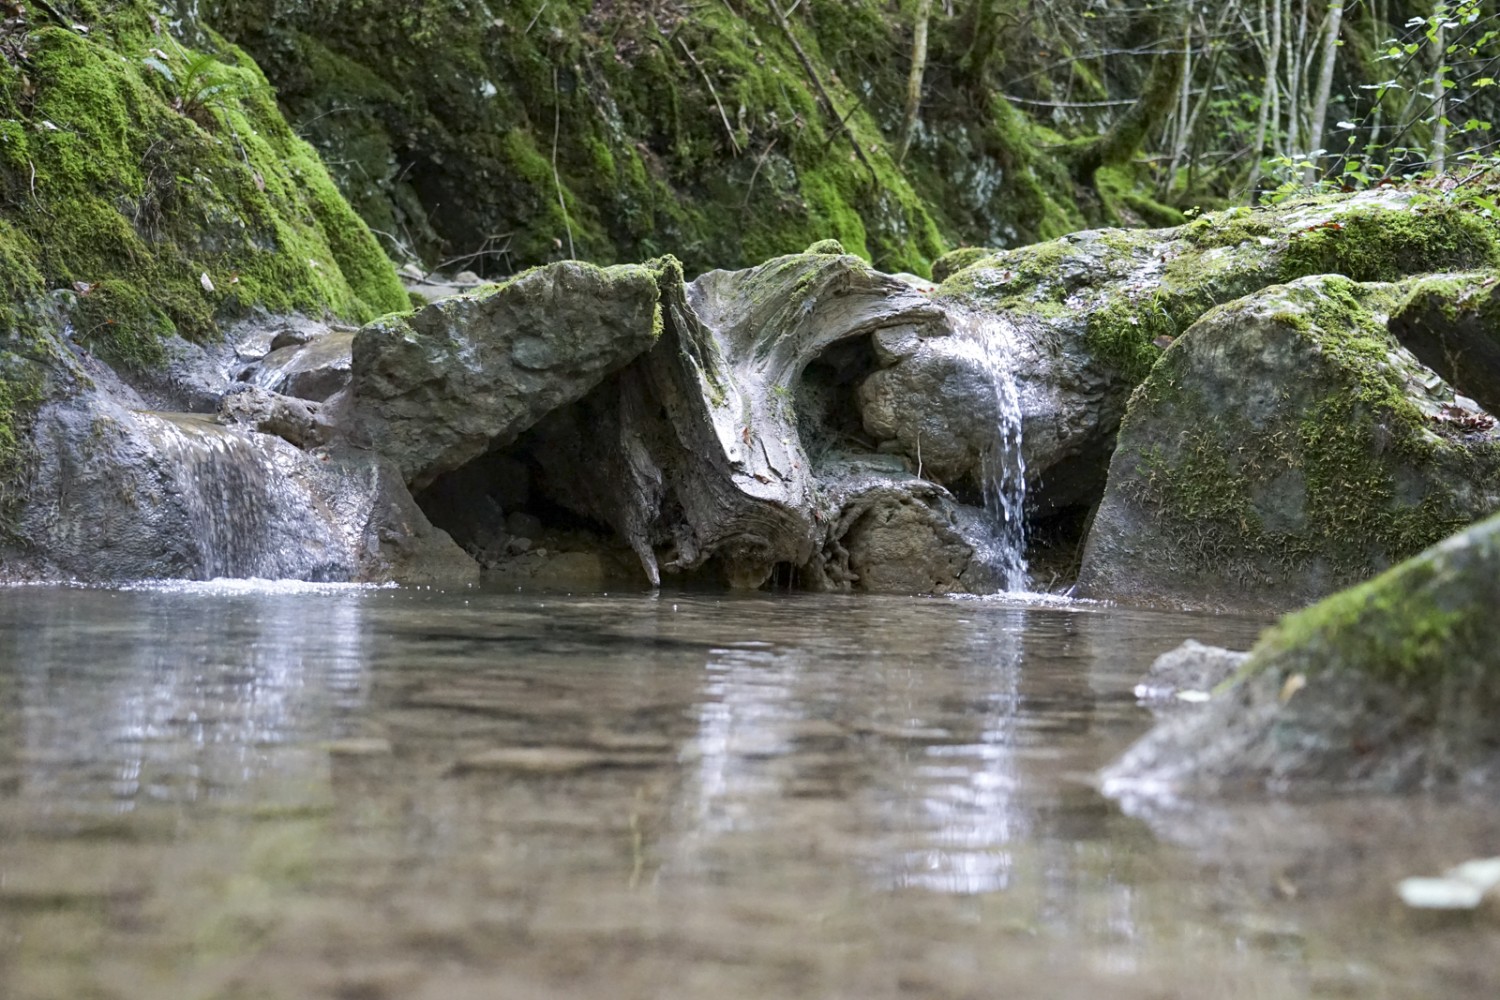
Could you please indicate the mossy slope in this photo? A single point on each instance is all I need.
(151, 189)
(612, 132)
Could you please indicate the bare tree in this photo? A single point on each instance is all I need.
(914, 79)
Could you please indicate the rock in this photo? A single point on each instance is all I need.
(1187, 674)
(1452, 325)
(1391, 685)
(467, 279)
(1284, 447)
(314, 369)
(438, 388)
(295, 421)
(289, 336)
(121, 494)
(697, 456)
(525, 525)
(1090, 311)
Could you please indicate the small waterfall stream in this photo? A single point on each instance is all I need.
(989, 342)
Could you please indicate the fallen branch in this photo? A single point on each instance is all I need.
(817, 82)
(728, 129)
(556, 177)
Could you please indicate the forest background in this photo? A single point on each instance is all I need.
(495, 136)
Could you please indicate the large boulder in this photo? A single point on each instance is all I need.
(1284, 447)
(122, 493)
(1452, 325)
(1392, 685)
(439, 387)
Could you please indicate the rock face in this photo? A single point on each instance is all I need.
(696, 455)
(126, 494)
(1392, 685)
(436, 389)
(1091, 313)
(1284, 447)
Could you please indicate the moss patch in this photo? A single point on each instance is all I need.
(1420, 625)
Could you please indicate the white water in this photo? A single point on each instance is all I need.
(990, 344)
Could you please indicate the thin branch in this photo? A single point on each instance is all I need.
(817, 82)
(556, 177)
(728, 129)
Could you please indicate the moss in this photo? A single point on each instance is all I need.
(832, 247)
(1372, 245)
(1125, 202)
(1418, 626)
(1332, 476)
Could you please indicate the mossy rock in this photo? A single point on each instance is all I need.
(1123, 291)
(150, 190)
(1390, 685)
(1284, 447)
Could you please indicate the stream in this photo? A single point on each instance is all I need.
(244, 790)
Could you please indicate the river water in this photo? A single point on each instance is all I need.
(242, 791)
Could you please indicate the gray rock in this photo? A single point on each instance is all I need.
(438, 388)
(295, 421)
(122, 494)
(313, 369)
(523, 525)
(1452, 325)
(1284, 447)
(1187, 674)
(1391, 685)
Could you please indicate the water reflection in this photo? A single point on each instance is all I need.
(180, 697)
(395, 794)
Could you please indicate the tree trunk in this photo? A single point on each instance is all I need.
(1158, 98)
(914, 79)
(1438, 156)
(1325, 87)
(1271, 36)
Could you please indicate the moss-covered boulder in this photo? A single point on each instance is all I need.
(1391, 685)
(1284, 447)
(1452, 325)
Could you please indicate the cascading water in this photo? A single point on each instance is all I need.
(989, 342)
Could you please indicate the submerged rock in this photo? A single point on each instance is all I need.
(1391, 685)
(1187, 675)
(1284, 447)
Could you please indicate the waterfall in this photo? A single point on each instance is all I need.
(989, 342)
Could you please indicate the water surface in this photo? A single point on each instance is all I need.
(235, 791)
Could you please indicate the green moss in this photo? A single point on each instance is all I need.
(1351, 477)
(1125, 202)
(1417, 626)
(1388, 245)
(149, 190)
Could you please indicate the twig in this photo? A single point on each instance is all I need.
(556, 177)
(536, 17)
(728, 129)
(817, 82)
(760, 162)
